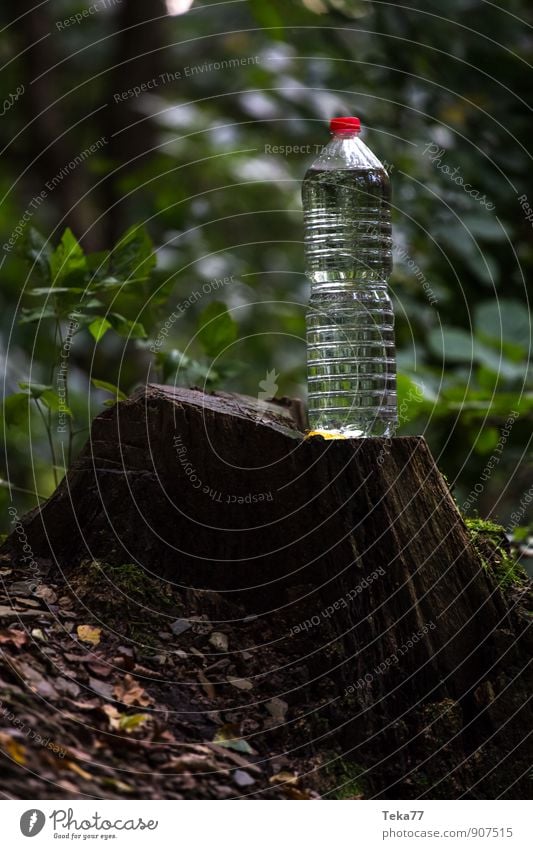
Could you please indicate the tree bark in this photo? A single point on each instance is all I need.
(139, 56)
(353, 551)
(47, 148)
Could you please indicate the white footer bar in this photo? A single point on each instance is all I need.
(259, 825)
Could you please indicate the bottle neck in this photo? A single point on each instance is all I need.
(346, 150)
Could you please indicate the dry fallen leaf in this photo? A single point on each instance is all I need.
(125, 658)
(114, 716)
(24, 588)
(13, 636)
(86, 704)
(107, 781)
(283, 778)
(277, 709)
(14, 750)
(189, 763)
(89, 634)
(131, 693)
(240, 683)
(78, 770)
(33, 679)
(27, 602)
(288, 781)
(207, 685)
(123, 721)
(47, 594)
(18, 613)
(100, 669)
(195, 651)
(325, 434)
(296, 794)
(101, 687)
(219, 640)
(235, 758)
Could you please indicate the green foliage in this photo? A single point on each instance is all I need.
(98, 327)
(346, 778)
(132, 259)
(89, 285)
(17, 408)
(217, 328)
(489, 540)
(67, 266)
(79, 289)
(109, 387)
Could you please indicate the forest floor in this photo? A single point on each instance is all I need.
(113, 685)
(141, 707)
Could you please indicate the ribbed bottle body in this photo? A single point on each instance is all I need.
(350, 321)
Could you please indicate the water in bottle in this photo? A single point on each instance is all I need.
(350, 324)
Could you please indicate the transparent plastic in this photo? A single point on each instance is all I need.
(350, 322)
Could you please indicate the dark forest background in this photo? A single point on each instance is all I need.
(189, 127)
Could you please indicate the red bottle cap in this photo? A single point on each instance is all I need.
(345, 125)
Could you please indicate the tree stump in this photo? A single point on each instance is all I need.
(351, 554)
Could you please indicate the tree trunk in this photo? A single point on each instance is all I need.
(141, 54)
(46, 150)
(351, 554)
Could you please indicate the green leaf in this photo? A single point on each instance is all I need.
(451, 344)
(111, 283)
(410, 398)
(56, 290)
(217, 328)
(229, 737)
(521, 533)
(109, 387)
(198, 373)
(99, 327)
(51, 399)
(498, 363)
(488, 379)
(125, 327)
(35, 389)
(454, 345)
(132, 721)
(98, 263)
(68, 261)
(461, 242)
(483, 226)
(486, 440)
(506, 321)
(38, 251)
(170, 362)
(30, 316)
(16, 408)
(268, 15)
(133, 255)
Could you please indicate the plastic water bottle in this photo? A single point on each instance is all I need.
(351, 364)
